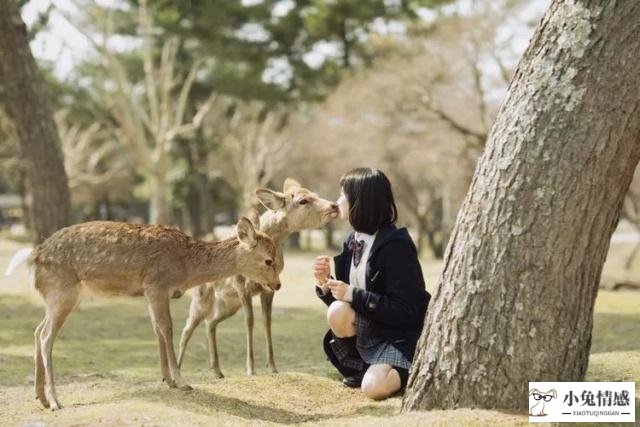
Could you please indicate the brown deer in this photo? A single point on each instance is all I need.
(294, 209)
(123, 259)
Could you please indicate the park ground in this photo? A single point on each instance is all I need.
(107, 370)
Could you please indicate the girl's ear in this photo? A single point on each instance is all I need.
(246, 232)
(270, 199)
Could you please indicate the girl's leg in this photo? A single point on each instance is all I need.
(341, 318)
(380, 381)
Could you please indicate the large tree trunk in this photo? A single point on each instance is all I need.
(26, 100)
(515, 300)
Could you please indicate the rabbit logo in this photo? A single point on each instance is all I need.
(537, 400)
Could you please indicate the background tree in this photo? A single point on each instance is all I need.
(27, 104)
(150, 123)
(431, 96)
(98, 172)
(252, 146)
(515, 300)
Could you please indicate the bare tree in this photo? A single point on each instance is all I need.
(515, 300)
(25, 97)
(97, 170)
(151, 114)
(253, 145)
(420, 115)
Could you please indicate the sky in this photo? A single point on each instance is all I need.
(64, 46)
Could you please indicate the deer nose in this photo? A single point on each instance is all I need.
(276, 286)
(334, 206)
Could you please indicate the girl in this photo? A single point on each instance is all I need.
(377, 301)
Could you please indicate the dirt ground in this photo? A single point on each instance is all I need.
(107, 371)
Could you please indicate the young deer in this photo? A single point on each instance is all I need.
(123, 259)
(295, 209)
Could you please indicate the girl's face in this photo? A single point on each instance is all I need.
(343, 205)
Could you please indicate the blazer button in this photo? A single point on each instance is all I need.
(372, 305)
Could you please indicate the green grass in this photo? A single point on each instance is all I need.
(106, 364)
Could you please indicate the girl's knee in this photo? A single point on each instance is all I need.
(341, 316)
(380, 382)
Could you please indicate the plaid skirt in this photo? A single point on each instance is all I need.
(372, 348)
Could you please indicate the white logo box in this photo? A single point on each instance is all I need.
(582, 402)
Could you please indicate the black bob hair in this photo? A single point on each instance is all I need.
(371, 203)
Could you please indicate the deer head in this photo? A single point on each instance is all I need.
(257, 255)
(301, 208)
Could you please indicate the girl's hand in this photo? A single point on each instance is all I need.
(321, 270)
(338, 289)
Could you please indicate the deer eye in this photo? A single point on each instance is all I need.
(269, 262)
(303, 201)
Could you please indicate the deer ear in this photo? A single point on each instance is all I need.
(253, 215)
(290, 184)
(246, 232)
(553, 392)
(271, 199)
(535, 390)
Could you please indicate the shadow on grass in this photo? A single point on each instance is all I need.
(206, 402)
(377, 411)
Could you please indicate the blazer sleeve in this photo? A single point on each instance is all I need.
(403, 301)
(327, 298)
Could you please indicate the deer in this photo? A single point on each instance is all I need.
(134, 260)
(295, 208)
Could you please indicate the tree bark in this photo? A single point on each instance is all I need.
(26, 100)
(515, 300)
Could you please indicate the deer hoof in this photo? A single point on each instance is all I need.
(43, 401)
(186, 387)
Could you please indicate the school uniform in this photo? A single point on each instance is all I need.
(387, 292)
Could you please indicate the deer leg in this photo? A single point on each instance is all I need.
(214, 359)
(39, 364)
(266, 300)
(187, 333)
(247, 305)
(59, 305)
(221, 310)
(161, 314)
(162, 351)
(199, 309)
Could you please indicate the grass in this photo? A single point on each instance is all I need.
(107, 370)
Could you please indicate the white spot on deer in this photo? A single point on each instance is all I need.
(532, 332)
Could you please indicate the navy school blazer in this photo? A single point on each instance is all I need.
(395, 298)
